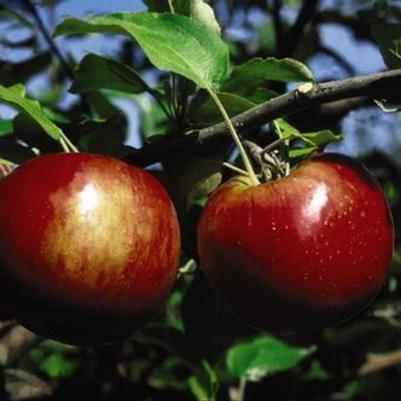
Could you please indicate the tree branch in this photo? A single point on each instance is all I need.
(278, 27)
(14, 342)
(383, 84)
(342, 61)
(327, 115)
(52, 45)
(375, 363)
(305, 15)
(31, 7)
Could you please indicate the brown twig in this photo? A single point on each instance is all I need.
(342, 61)
(376, 363)
(278, 26)
(14, 342)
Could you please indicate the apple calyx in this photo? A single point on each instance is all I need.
(272, 163)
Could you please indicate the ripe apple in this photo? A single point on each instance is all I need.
(301, 252)
(89, 246)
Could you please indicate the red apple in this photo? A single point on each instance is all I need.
(302, 252)
(89, 246)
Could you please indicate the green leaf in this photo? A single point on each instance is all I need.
(56, 116)
(58, 366)
(388, 38)
(198, 391)
(11, 12)
(6, 127)
(321, 138)
(287, 130)
(267, 37)
(19, 89)
(314, 140)
(205, 385)
(14, 96)
(263, 356)
(96, 72)
(205, 112)
(316, 372)
(196, 177)
(258, 71)
(30, 133)
(153, 119)
(259, 96)
(203, 177)
(301, 152)
(101, 106)
(104, 137)
(172, 42)
(166, 375)
(203, 12)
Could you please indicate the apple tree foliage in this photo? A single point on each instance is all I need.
(170, 59)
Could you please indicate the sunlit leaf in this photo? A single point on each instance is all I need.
(56, 365)
(6, 127)
(263, 356)
(206, 112)
(172, 42)
(256, 72)
(205, 385)
(301, 152)
(96, 72)
(203, 12)
(14, 96)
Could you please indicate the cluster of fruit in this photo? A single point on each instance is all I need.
(89, 246)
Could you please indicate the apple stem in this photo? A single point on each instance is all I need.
(240, 147)
(287, 160)
(67, 145)
(7, 163)
(241, 388)
(64, 145)
(287, 167)
(271, 146)
(171, 6)
(235, 168)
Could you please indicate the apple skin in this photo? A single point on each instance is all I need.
(306, 251)
(89, 247)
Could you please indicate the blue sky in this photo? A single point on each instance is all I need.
(82, 7)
